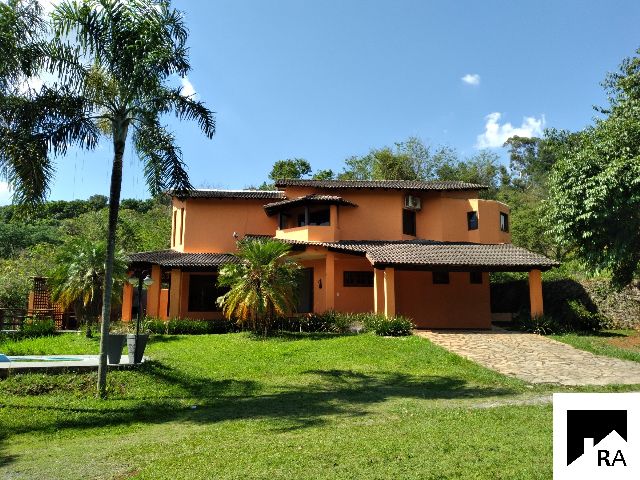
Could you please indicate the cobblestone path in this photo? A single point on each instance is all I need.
(534, 358)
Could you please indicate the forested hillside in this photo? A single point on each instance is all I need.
(34, 242)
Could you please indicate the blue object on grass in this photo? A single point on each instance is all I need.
(4, 358)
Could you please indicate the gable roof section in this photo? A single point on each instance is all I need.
(272, 208)
(431, 254)
(384, 184)
(172, 258)
(234, 194)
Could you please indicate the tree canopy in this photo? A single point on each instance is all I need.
(595, 185)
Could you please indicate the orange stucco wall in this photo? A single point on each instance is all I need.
(459, 304)
(378, 216)
(210, 223)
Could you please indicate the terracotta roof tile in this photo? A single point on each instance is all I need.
(239, 194)
(389, 184)
(172, 258)
(434, 254)
(272, 208)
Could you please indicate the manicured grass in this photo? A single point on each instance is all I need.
(295, 406)
(69, 344)
(624, 344)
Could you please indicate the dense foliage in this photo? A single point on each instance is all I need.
(595, 187)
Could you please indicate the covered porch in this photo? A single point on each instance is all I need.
(183, 285)
(437, 284)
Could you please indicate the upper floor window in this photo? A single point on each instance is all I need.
(358, 279)
(475, 277)
(472, 220)
(318, 217)
(174, 229)
(182, 226)
(409, 222)
(504, 222)
(440, 278)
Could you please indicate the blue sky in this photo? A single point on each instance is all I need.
(328, 79)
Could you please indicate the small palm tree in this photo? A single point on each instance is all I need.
(78, 278)
(262, 286)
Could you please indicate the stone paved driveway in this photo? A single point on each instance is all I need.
(534, 358)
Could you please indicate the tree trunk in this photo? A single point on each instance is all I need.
(119, 141)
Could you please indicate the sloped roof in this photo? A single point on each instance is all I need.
(172, 258)
(388, 184)
(272, 208)
(434, 254)
(236, 194)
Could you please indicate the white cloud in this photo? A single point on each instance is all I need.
(187, 87)
(495, 134)
(471, 79)
(5, 193)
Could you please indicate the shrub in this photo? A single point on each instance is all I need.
(331, 321)
(541, 325)
(580, 318)
(37, 327)
(186, 326)
(380, 325)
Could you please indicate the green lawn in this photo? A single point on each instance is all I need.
(297, 406)
(623, 344)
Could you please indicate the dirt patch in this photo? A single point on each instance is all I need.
(632, 342)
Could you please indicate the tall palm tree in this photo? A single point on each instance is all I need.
(262, 285)
(118, 84)
(77, 279)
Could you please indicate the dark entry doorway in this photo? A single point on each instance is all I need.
(305, 291)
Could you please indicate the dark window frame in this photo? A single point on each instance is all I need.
(504, 222)
(475, 278)
(203, 301)
(409, 221)
(440, 277)
(472, 220)
(357, 278)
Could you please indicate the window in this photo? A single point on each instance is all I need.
(320, 217)
(472, 220)
(317, 217)
(475, 277)
(358, 279)
(504, 222)
(173, 237)
(440, 278)
(203, 293)
(409, 222)
(182, 226)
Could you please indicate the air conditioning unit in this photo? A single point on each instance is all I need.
(412, 202)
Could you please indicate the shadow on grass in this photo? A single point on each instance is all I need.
(329, 393)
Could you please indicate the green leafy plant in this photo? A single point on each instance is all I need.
(262, 285)
(397, 326)
(37, 327)
(187, 326)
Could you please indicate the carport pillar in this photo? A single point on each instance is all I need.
(127, 302)
(175, 293)
(535, 293)
(330, 277)
(378, 290)
(390, 292)
(153, 293)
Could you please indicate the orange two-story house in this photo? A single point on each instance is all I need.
(419, 249)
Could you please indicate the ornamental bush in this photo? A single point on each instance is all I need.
(397, 326)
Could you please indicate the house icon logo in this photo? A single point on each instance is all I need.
(596, 436)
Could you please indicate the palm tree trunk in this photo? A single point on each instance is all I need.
(119, 141)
